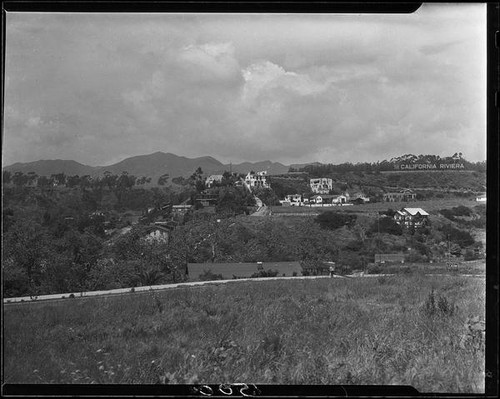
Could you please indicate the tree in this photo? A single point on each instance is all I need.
(26, 248)
(196, 180)
(59, 179)
(19, 179)
(73, 181)
(163, 179)
(6, 177)
(386, 225)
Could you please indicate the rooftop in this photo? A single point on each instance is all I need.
(415, 211)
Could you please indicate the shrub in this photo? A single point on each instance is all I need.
(462, 210)
(470, 255)
(437, 305)
(71, 295)
(386, 225)
(335, 220)
(208, 275)
(265, 273)
(374, 269)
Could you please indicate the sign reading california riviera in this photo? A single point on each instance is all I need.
(431, 166)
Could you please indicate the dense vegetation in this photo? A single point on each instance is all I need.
(70, 233)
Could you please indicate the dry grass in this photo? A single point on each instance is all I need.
(327, 331)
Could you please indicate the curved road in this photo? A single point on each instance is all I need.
(123, 291)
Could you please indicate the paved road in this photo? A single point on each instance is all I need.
(261, 211)
(122, 291)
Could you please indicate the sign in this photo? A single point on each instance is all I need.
(430, 166)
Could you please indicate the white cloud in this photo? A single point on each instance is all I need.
(211, 60)
(265, 76)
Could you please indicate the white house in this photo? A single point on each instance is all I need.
(158, 234)
(359, 197)
(409, 217)
(481, 198)
(292, 200)
(338, 199)
(258, 179)
(321, 185)
(212, 179)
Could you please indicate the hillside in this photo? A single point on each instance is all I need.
(52, 167)
(372, 178)
(151, 165)
(156, 164)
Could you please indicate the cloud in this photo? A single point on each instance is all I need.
(265, 76)
(211, 61)
(291, 88)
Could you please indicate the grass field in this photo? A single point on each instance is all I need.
(429, 206)
(380, 330)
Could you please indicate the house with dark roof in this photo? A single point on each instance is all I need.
(411, 217)
(242, 270)
(390, 258)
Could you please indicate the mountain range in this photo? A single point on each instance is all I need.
(152, 165)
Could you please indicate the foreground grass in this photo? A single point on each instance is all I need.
(327, 331)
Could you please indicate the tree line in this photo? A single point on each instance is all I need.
(321, 170)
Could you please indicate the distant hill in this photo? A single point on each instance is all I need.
(159, 163)
(272, 168)
(51, 167)
(151, 165)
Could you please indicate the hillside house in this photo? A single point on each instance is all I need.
(181, 209)
(206, 199)
(321, 185)
(405, 195)
(318, 199)
(481, 198)
(327, 199)
(411, 217)
(339, 199)
(257, 180)
(242, 270)
(292, 200)
(359, 198)
(389, 258)
(157, 234)
(213, 179)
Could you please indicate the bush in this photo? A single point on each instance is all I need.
(208, 275)
(335, 220)
(374, 269)
(459, 237)
(470, 255)
(437, 305)
(386, 225)
(265, 273)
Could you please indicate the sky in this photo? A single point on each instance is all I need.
(290, 88)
